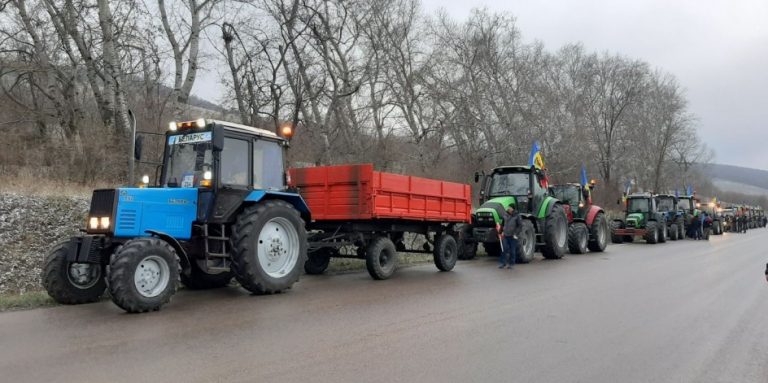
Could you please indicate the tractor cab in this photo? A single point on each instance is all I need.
(640, 207)
(574, 196)
(523, 187)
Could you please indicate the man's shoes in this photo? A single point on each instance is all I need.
(510, 267)
(501, 266)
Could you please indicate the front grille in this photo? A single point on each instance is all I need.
(102, 203)
(126, 220)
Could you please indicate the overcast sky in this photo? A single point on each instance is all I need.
(717, 49)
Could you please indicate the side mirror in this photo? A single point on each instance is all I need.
(218, 138)
(477, 177)
(138, 148)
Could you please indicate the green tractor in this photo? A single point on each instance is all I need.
(545, 224)
(642, 219)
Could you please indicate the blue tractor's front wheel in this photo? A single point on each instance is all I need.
(143, 275)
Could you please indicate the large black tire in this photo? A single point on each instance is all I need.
(615, 238)
(279, 267)
(66, 288)
(680, 228)
(673, 233)
(381, 258)
(651, 232)
(467, 246)
(578, 236)
(158, 269)
(492, 249)
(318, 261)
(200, 280)
(555, 234)
(446, 252)
(598, 234)
(526, 243)
(663, 233)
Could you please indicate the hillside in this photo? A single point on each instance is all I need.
(737, 179)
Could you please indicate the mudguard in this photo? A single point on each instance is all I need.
(592, 213)
(292, 198)
(546, 207)
(186, 267)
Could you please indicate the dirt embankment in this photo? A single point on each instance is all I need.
(29, 227)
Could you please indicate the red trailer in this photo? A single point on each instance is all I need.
(354, 206)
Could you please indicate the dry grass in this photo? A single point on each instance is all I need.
(33, 299)
(28, 184)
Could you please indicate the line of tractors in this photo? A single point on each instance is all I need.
(657, 218)
(224, 207)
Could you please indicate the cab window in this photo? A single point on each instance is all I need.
(234, 162)
(267, 165)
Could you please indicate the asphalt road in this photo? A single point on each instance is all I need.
(679, 312)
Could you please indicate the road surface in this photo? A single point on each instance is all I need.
(679, 312)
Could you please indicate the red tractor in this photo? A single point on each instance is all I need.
(588, 226)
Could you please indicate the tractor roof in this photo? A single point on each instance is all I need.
(512, 169)
(640, 195)
(247, 129)
(573, 184)
(666, 196)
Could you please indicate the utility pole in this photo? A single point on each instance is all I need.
(132, 156)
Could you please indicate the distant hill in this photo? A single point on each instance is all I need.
(737, 179)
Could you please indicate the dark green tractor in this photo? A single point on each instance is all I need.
(642, 219)
(545, 224)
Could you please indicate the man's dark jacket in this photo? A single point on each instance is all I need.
(512, 224)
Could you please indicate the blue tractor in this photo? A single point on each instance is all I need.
(667, 206)
(221, 210)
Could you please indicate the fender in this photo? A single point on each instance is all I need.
(186, 267)
(592, 213)
(546, 207)
(292, 198)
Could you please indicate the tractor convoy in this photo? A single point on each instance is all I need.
(225, 207)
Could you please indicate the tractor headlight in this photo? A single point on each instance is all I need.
(200, 123)
(104, 223)
(172, 126)
(93, 223)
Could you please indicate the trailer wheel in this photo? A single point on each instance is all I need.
(616, 225)
(270, 246)
(381, 258)
(578, 236)
(526, 242)
(143, 275)
(71, 283)
(200, 280)
(555, 234)
(651, 232)
(446, 252)
(318, 261)
(598, 234)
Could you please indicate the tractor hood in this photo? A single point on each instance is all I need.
(635, 220)
(490, 213)
(133, 211)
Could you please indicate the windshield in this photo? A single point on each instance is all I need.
(509, 184)
(638, 205)
(567, 193)
(666, 204)
(684, 204)
(189, 157)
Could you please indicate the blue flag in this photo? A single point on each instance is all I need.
(689, 190)
(584, 180)
(677, 193)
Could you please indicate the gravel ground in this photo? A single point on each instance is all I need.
(29, 226)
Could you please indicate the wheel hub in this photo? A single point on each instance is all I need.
(83, 275)
(278, 247)
(151, 276)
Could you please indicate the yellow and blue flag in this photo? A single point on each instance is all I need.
(536, 159)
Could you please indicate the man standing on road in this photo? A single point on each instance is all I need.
(512, 224)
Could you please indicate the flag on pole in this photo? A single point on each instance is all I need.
(536, 158)
(584, 179)
(689, 190)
